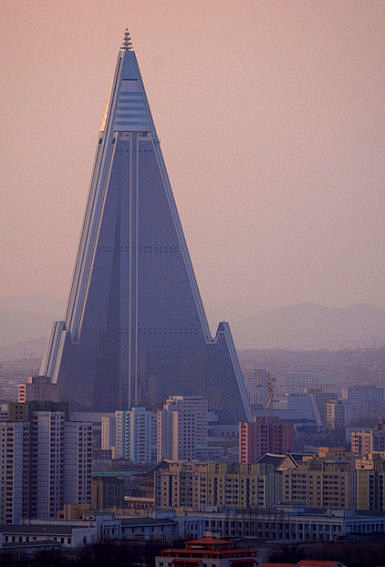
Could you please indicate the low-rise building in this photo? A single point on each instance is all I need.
(211, 551)
(146, 529)
(65, 535)
(38, 388)
(107, 492)
(293, 525)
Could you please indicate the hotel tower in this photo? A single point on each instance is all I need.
(135, 330)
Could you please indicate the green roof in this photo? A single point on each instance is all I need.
(112, 473)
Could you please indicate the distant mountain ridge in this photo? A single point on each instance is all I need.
(20, 351)
(309, 326)
(25, 323)
(37, 303)
(25, 319)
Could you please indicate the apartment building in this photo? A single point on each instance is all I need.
(77, 471)
(136, 435)
(266, 434)
(361, 443)
(324, 481)
(47, 464)
(46, 461)
(198, 485)
(108, 434)
(14, 471)
(38, 388)
(336, 415)
(366, 441)
(182, 428)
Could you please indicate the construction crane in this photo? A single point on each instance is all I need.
(267, 382)
(270, 381)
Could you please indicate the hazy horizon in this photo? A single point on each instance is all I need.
(306, 326)
(271, 122)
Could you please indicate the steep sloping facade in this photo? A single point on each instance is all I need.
(135, 330)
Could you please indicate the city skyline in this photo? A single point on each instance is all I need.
(297, 173)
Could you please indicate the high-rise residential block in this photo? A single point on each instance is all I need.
(14, 471)
(45, 462)
(266, 434)
(256, 383)
(135, 328)
(336, 418)
(182, 428)
(320, 399)
(77, 470)
(135, 435)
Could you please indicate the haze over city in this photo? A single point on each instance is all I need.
(271, 121)
(140, 435)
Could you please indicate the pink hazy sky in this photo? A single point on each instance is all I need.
(272, 124)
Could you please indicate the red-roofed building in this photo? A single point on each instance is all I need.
(318, 563)
(306, 563)
(208, 552)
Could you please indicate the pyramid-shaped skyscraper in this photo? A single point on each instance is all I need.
(135, 329)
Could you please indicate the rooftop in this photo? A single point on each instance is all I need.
(39, 528)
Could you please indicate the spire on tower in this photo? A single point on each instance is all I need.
(127, 43)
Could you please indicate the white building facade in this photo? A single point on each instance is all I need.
(182, 428)
(14, 471)
(77, 462)
(136, 435)
(45, 462)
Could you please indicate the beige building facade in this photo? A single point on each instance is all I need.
(199, 485)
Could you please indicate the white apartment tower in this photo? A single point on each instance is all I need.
(45, 462)
(77, 462)
(14, 471)
(61, 463)
(182, 428)
(136, 435)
